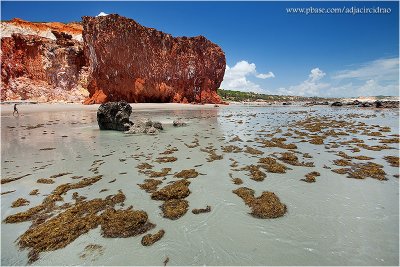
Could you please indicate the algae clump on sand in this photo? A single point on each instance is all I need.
(266, 206)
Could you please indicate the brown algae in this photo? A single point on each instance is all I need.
(310, 177)
(253, 151)
(176, 190)
(34, 192)
(174, 208)
(150, 239)
(45, 181)
(150, 185)
(20, 202)
(166, 159)
(203, 210)
(255, 173)
(124, 223)
(191, 173)
(266, 206)
(271, 165)
(164, 172)
(393, 161)
(292, 159)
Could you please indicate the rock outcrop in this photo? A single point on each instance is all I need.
(41, 69)
(130, 62)
(114, 116)
(145, 126)
(41, 29)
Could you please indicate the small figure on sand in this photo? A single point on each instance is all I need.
(15, 110)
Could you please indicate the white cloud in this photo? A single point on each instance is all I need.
(316, 74)
(377, 77)
(266, 75)
(368, 88)
(236, 78)
(382, 69)
(101, 14)
(310, 87)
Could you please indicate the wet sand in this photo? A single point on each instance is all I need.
(346, 215)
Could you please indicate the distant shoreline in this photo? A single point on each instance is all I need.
(7, 108)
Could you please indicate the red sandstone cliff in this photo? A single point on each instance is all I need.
(41, 69)
(42, 29)
(130, 62)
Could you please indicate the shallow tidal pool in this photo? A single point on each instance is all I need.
(346, 217)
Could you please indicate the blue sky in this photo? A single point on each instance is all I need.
(267, 49)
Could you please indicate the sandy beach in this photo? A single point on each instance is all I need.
(54, 107)
(329, 171)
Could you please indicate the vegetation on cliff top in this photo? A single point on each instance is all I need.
(229, 95)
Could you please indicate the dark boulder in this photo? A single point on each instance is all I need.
(178, 123)
(365, 105)
(114, 116)
(337, 104)
(378, 104)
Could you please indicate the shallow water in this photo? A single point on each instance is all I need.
(334, 221)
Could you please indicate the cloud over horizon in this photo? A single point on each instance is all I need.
(377, 77)
(309, 87)
(236, 78)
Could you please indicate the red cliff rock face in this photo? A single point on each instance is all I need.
(41, 69)
(130, 62)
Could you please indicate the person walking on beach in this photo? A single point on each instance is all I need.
(15, 110)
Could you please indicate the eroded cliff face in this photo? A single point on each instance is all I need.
(41, 69)
(130, 62)
(42, 29)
